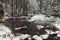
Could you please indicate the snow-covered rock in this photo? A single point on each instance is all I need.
(23, 36)
(38, 17)
(45, 36)
(54, 32)
(40, 26)
(42, 18)
(37, 37)
(48, 31)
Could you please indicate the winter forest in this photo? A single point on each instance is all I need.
(29, 19)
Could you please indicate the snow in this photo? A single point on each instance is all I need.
(51, 18)
(37, 37)
(5, 18)
(58, 35)
(17, 28)
(57, 26)
(23, 36)
(39, 26)
(57, 20)
(54, 32)
(4, 28)
(4, 32)
(57, 23)
(42, 17)
(48, 31)
(7, 38)
(16, 38)
(38, 17)
(44, 36)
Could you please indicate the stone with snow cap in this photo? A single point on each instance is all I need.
(23, 36)
(54, 32)
(48, 31)
(40, 26)
(37, 37)
(44, 36)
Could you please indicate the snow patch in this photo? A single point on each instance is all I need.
(39, 26)
(57, 26)
(44, 36)
(38, 17)
(37, 37)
